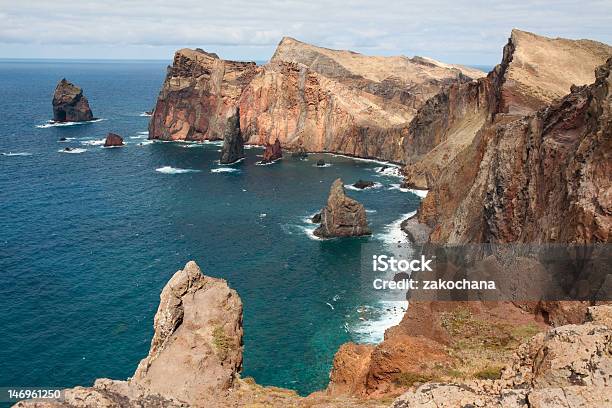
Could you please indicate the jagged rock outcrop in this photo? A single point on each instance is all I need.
(568, 366)
(534, 71)
(198, 95)
(307, 97)
(69, 103)
(342, 216)
(272, 152)
(113, 140)
(542, 177)
(233, 145)
(361, 184)
(194, 359)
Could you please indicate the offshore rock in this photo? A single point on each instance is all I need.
(113, 140)
(69, 103)
(272, 152)
(342, 216)
(233, 145)
(361, 184)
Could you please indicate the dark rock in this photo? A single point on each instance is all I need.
(273, 152)
(233, 144)
(149, 113)
(383, 168)
(62, 139)
(342, 216)
(300, 153)
(68, 149)
(316, 219)
(320, 163)
(361, 184)
(113, 140)
(69, 103)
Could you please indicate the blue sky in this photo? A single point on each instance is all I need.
(455, 31)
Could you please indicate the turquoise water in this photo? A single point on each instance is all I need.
(88, 240)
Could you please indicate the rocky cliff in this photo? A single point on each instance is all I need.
(198, 95)
(307, 97)
(514, 161)
(69, 103)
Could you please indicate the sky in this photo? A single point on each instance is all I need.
(453, 31)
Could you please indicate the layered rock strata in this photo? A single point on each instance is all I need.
(342, 216)
(306, 97)
(69, 103)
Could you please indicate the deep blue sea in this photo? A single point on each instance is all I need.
(89, 239)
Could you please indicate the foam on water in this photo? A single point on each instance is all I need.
(145, 114)
(420, 193)
(175, 170)
(374, 320)
(10, 154)
(393, 232)
(352, 187)
(224, 170)
(323, 166)
(51, 123)
(391, 170)
(93, 142)
(76, 150)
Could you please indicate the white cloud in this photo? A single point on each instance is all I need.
(450, 30)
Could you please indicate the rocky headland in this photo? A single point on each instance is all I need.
(342, 216)
(306, 97)
(69, 103)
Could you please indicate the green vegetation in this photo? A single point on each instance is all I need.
(221, 341)
(408, 379)
(489, 373)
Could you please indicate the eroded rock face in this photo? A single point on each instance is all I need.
(69, 103)
(342, 216)
(272, 152)
(198, 95)
(233, 145)
(539, 176)
(195, 354)
(306, 97)
(113, 140)
(196, 350)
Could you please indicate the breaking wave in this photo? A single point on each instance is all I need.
(175, 170)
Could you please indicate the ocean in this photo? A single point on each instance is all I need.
(89, 238)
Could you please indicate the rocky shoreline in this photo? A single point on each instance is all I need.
(521, 155)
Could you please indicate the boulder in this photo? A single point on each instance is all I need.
(361, 184)
(69, 103)
(320, 163)
(273, 152)
(233, 145)
(316, 219)
(342, 216)
(113, 140)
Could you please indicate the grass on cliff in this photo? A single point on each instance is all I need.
(222, 342)
(480, 347)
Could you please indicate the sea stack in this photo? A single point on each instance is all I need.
(69, 103)
(342, 216)
(273, 152)
(233, 144)
(113, 140)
